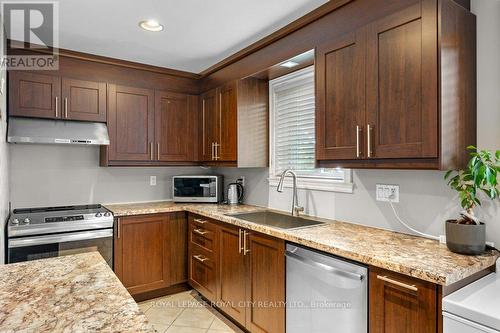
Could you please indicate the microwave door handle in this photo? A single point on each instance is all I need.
(62, 238)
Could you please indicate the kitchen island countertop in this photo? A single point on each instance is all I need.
(414, 256)
(74, 293)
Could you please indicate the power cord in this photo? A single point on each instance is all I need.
(391, 196)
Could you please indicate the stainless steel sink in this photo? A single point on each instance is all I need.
(277, 220)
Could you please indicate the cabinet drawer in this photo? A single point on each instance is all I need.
(202, 272)
(202, 222)
(202, 237)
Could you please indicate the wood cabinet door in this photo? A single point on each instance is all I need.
(340, 92)
(227, 142)
(130, 123)
(178, 236)
(175, 127)
(83, 100)
(202, 271)
(231, 289)
(142, 252)
(209, 125)
(401, 304)
(402, 75)
(265, 284)
(34, 95)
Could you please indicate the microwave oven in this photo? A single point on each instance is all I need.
(207, 189)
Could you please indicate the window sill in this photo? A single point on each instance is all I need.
(316, 184)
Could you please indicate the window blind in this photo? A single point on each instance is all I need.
(293, 121)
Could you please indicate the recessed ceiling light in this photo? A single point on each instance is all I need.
(289, 64)
(151, 25)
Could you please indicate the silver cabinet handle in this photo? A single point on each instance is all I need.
(245, 235)
(57, 107)
(357, 141)
(65, 107)
(240, 248)
(330, 269)
(213, 147)
(397, 283)
(200, 231)
(200, 258)
(151, 150)
(158, 150)
(200, 221)
(118, 231)
(368, 140)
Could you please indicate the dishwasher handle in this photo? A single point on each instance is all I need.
(329, 269)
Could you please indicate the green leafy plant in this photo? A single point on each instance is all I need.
(480, 175)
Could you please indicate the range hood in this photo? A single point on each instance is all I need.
(46, 131)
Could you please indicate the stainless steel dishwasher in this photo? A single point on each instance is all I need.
(324, 294)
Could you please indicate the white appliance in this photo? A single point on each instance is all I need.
(324, 293)
(474, 308)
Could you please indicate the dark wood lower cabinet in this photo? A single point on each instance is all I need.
(250, 279)
(402, 304)
(265, 274)
(150, 251)
(232, 275)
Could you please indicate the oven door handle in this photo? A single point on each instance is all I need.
(60, 238)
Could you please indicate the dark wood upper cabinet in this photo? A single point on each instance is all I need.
(402, 76)
(226, 148)
(340, 74)
(131, 123)
(142, 252)
(238, 109)
(55, 97)
(83, 100)
(209, 125)
(175, 121)
(399, 303)
(34, 95)
(400, 91)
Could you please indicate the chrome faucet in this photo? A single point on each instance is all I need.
(296, 209)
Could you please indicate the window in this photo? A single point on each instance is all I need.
(292, 103)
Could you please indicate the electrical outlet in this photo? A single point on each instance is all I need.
(152, 180)
(385, 192)
(241, 180)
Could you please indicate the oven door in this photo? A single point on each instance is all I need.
(47, 246)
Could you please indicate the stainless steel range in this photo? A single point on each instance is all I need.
(36, 233)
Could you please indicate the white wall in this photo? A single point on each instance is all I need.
(48, 175)
(425, 200)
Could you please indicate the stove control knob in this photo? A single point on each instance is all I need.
(26, 221)
(107, 214)
(15, 221)
(98, 214)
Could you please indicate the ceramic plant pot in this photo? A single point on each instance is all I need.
(465, 238)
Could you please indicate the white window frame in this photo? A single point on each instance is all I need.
(309, 182)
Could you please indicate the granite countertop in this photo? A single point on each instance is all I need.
(75, 293)
(418, 257)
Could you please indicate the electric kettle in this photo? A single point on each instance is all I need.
(234, 193)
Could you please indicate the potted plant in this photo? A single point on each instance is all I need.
(467, 235)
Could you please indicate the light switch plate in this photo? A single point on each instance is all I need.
(384, 192)
(152, 180)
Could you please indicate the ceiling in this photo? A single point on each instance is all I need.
(197, 34)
